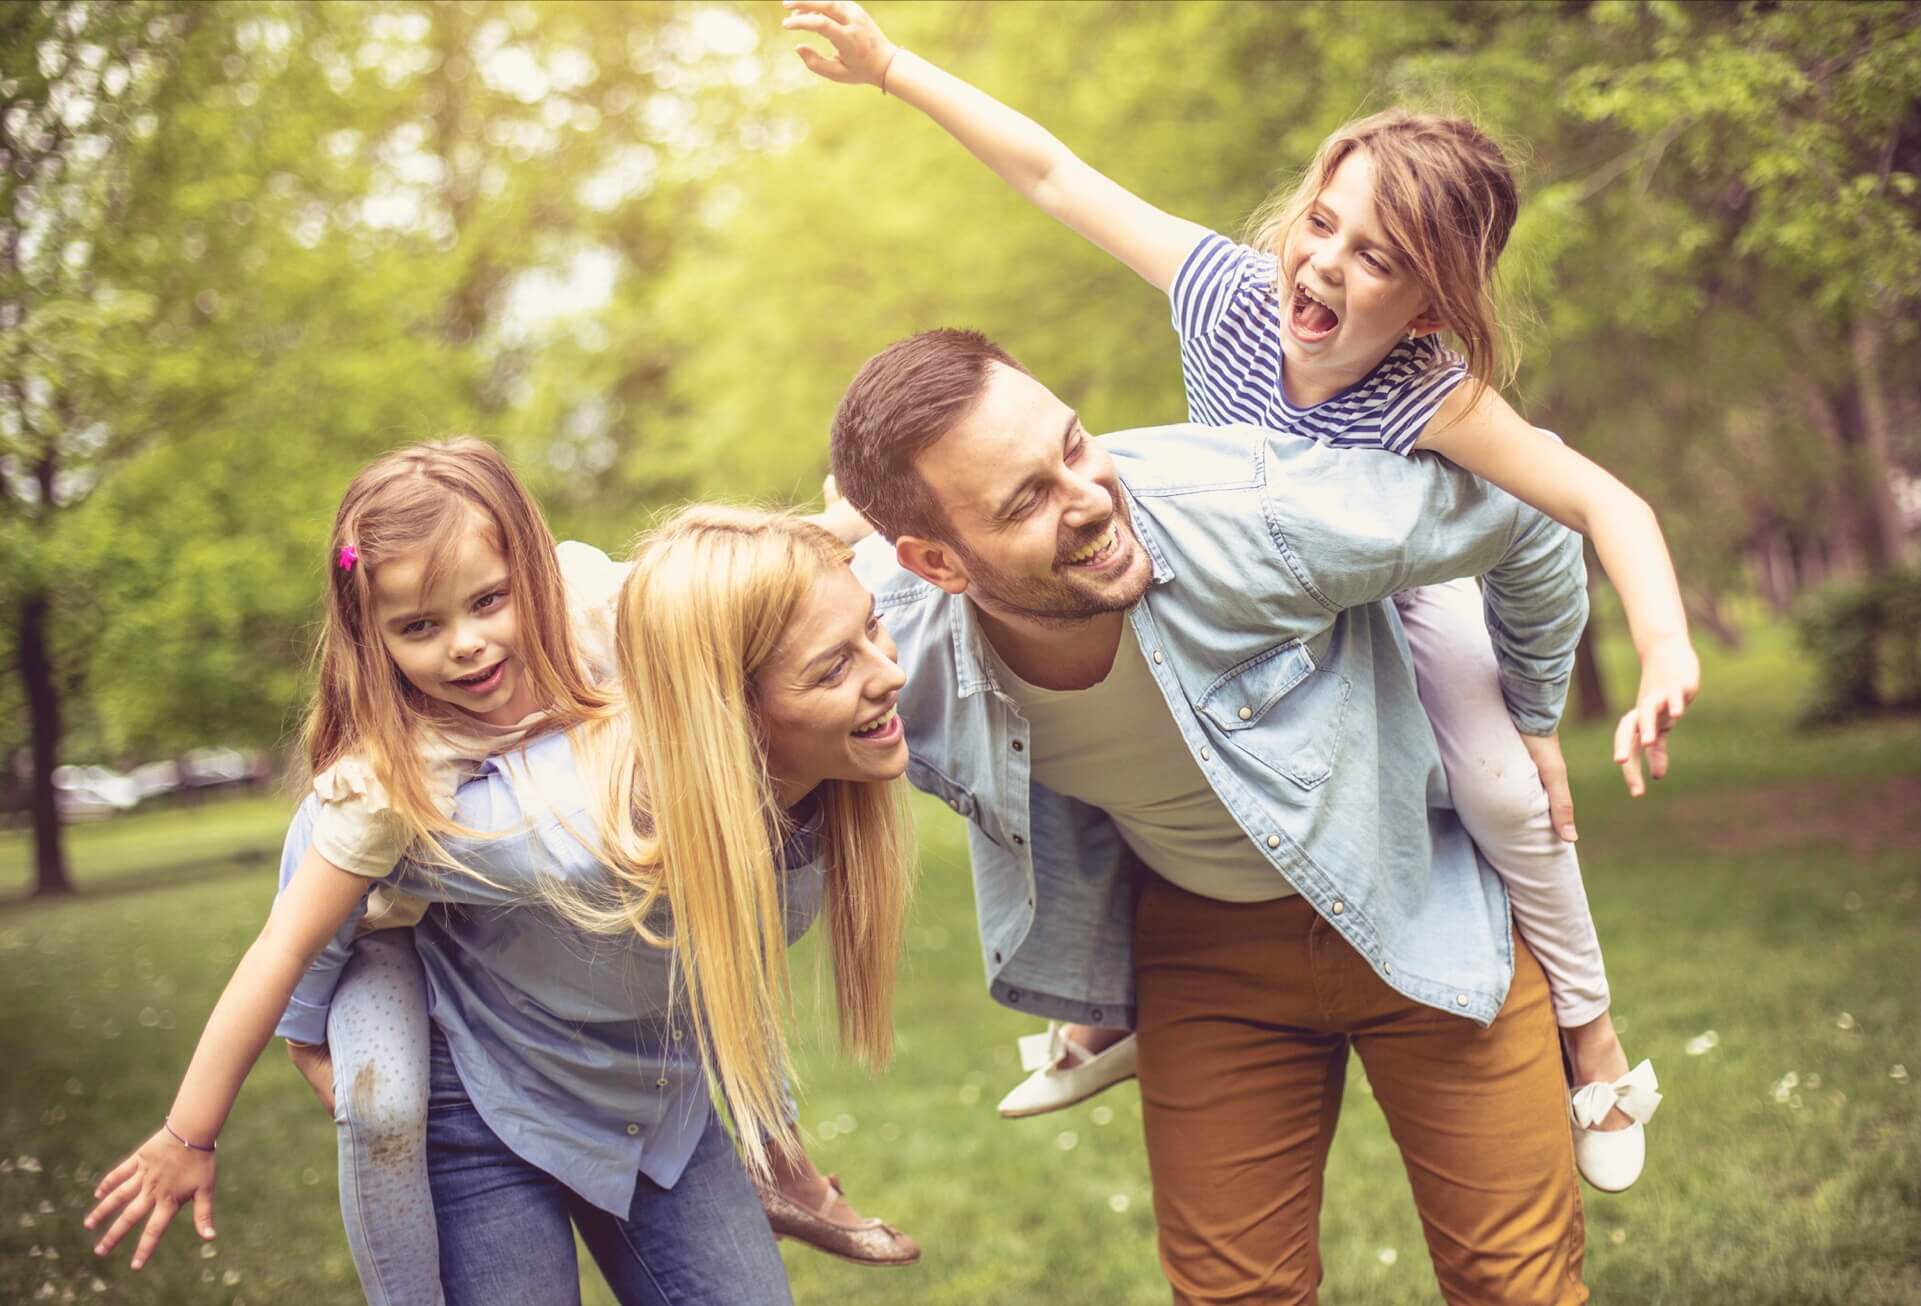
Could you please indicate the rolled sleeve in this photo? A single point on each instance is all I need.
(305, 1019)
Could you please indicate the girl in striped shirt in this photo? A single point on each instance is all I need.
(1328, 324)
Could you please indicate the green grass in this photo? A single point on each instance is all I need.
(1770, 891)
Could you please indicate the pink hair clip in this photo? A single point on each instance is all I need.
(349, 555)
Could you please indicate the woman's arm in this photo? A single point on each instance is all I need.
(154, 1182)
(1481, 433)
(1025, 154)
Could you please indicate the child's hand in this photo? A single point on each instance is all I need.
(1670, 678)
(864, 51)
(1546, 752)
(316, 1065)
(152, 1185)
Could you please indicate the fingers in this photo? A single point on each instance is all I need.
(137, 1210)
(1657, 754)
(819, 64)
(203, 1212)
(1560, 804)
(163, 1213)
(121, 1193)
(1627, 753)
(114, 1177)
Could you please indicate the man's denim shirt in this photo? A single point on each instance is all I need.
(565, 1041)
(1289, 679)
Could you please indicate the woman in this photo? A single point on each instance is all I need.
(663, 861)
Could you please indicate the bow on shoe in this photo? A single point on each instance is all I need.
(1637, 1094)
(1044, 1051)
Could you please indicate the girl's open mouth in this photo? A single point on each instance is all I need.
(483, 682)
(1309, 318)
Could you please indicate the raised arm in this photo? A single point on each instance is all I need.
(1482, 433)
(1025, 154)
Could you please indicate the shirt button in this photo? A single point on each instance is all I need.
(1205, 755)
(661, 1082)
(1338, 907)
(632, 1130)
(677, 1036)
(1018, 841)
(1157, 657)
(1247, 714)
(1460, 999)
(1387, 968)
(1273, 841)
(1095, 1015)
(1018, 745)
(1013, 995)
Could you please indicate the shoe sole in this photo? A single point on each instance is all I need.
(843, 1256)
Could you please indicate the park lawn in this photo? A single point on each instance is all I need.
(1770, 893)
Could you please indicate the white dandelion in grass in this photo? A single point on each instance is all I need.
(208, 1251)
(1387, 1256)
(1119, 1202)
(1845, 1021)
(28, 1164)
(1618, 1237)
(98, 1285)
(1702, 1044)
(1898, 1073)
(1783, 1090)
(230, 1278)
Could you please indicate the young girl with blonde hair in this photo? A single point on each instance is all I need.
(1328, 324)
(447, 639)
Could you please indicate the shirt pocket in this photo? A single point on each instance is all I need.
(1283, 711)
(929, 780)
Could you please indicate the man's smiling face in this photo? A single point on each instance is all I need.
(1037, 524)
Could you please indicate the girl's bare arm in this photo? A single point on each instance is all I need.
(1025, 154)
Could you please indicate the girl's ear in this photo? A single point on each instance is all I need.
(1425, 323)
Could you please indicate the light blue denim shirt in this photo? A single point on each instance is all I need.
(563, 1039)
(1289, 679)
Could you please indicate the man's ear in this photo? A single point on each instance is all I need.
(933, 562)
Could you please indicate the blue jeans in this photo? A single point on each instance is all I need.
(505, 1235)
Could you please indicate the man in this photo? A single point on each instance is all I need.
(1166, 651)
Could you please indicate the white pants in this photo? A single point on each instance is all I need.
(1499, 794)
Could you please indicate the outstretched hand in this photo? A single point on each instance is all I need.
(1670, 678)
(152, 1185)
(861, 50)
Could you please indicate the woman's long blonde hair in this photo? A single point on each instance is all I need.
(1446, 198)
(424, 499)
(692, 823)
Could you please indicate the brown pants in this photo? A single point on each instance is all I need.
(1247, 1011)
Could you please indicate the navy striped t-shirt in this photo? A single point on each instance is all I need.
(1228, 314)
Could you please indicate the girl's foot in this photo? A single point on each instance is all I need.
(1609, 1104)
(810, 1207)
(1070, 1063)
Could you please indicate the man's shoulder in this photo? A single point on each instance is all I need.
(1185, 456)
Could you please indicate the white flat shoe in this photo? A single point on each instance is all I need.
(1052, 1086)
(1611, 1159)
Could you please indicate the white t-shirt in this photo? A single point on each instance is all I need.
(1115, 746)
(356, 827)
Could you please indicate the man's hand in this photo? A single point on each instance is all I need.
(316, 1065)
(1546, 752)
(152, 1185)
(863, 50)
(1670, 678)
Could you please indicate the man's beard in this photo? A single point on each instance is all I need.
(1055, 600)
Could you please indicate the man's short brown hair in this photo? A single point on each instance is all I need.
(903, 399)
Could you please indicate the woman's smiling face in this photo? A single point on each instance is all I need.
(825, 700)
(1347, 293)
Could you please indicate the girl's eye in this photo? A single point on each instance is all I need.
(835, 672)
(1074, 449)
(488, 601)
(1377, 264)
(416, 627)
(1317, 222)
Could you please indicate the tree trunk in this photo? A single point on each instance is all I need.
(43, 712)
(1882, 527)
(1590, 695)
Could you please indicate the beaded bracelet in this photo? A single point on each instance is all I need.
(174, 1134)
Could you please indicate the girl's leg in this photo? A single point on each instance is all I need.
(703, 1242)
(504, 1233)
(377, 1034)
(1501, 801)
